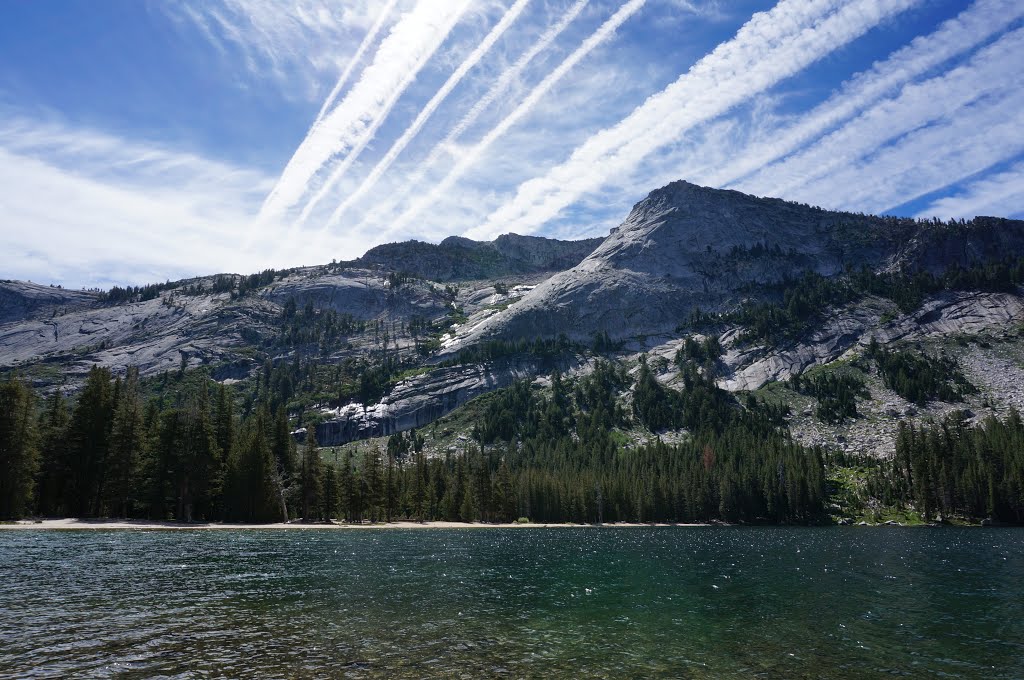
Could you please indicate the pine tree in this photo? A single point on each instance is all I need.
(127, 441)
(19, 452)
(312, 477)
(54, 470)
(373, 483)
(89, 439)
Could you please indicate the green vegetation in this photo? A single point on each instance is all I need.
(947, 470)
(794, 306)
(918, 377)
(836, 393)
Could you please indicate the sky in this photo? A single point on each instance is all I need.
(147, 140)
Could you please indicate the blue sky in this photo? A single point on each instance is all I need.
(141, 141)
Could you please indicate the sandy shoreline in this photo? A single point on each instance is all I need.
(146, 525)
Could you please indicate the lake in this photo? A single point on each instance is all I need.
(832, 602)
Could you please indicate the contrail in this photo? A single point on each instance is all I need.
(358, 57)
(473, 155)
(382, 166)
(989, 73)
(999, 194)
(772, 46)
(351, 124)
(368, 134)
(973, 26)
(500, 85)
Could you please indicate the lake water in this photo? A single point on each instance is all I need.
(563, 602)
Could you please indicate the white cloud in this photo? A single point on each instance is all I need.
(349, 127)
(956, 36)
(428, 110)
(500, 86)
(84, 208)
(770, 47)
(989, 71)
(471, 156)
(1001, 194)
(357, 58)
(963, 144)
(275, 39)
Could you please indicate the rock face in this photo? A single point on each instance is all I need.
(947, 314)
(359, 293)
(460, 259)
(421, 400)
(23, 299)
(67, 332)
(686, 247)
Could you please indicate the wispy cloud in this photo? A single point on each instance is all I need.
(85, 208)
(470, 157)
(956, 36)
(273, 38)
(384, 163)
(989, 71)
(942, 153)
(999, 194)
(930, 134)
(770, 47)
(357, 58)
(500, 86)
(349, 127)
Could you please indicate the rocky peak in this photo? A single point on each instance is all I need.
(685, 247)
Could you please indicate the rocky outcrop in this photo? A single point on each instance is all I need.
(23, 299)
(362, 294)
(945, 315)
(421, 400)
(460, 259)
(686, 247)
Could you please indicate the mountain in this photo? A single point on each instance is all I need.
(462, 259)
(412, 331)
(686, 247)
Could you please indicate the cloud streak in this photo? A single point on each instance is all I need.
(500, 86)
(384, 163)
(771, 46)
(367, 42)
(915, 105)
(271, 38)
(469, 158)
(349, 127)
(955, 36)
(999, 194)
(939, 109)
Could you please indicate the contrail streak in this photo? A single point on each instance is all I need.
(382, 166)
(771, 46)
(957, 35)
(987, 74)
(341, 168)
(473, 155)
(500, 85)
(358, 57)
(352, 123)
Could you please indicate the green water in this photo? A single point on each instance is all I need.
(664, 602)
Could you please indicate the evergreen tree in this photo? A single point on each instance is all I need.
(54, 463)
(312, 478)
(89, 440)
(19, 452)
(127, 442)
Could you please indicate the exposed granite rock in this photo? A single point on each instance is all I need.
(459, 259)
(943, 315)
(420, 400)
(686, 247)
(23, 299)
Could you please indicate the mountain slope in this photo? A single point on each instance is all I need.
(686, 247)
